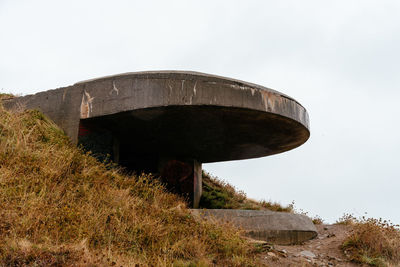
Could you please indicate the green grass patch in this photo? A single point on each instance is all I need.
(218, 194)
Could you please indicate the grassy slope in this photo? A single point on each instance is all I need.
(218, 194)
(59, 206)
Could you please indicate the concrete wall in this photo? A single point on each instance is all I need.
(62, 105)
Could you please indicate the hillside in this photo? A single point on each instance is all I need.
(61, 207)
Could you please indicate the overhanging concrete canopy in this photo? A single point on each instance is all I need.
(162, 115)
(196, 115)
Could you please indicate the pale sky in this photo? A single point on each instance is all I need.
(339, 59)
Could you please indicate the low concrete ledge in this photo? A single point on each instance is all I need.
(275, 227)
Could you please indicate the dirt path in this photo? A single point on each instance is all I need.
(324, 250)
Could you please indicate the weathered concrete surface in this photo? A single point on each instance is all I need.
(276, 227)
(188, 114)
(143, 117)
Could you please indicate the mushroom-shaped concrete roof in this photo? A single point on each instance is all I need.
(194, 115)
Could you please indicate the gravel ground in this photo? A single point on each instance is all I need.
(324, 250)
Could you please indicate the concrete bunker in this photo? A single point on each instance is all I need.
(170, 122)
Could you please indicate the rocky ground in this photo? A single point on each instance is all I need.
(324, 250)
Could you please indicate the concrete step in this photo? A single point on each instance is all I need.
(280, 228)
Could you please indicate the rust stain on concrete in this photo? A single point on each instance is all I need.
(86, 105)
(268, 99)
(65, 92)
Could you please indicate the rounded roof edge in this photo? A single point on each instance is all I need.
(178, 74)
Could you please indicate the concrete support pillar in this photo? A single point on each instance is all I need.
(183, 177)
(197, 183)
(115, 150)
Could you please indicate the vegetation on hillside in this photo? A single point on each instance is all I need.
(372, 241)
(6, 96)
(60, 206)
(218, 194)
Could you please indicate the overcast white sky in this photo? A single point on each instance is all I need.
(339, 59)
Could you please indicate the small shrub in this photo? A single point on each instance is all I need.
(317, 220)
(347, 219)
(373, 241)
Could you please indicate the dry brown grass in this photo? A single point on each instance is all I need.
(6, 96)
(317, 220)
(347, 219)
(61, 207)
(219, 194)
(372, 241)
